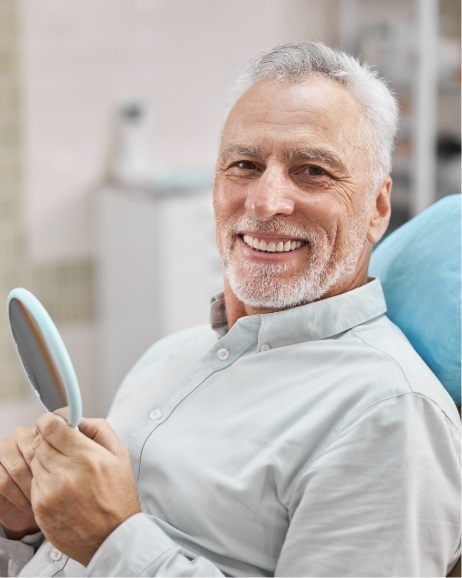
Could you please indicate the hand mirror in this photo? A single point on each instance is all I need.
(43, 355)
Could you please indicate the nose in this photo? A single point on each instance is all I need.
(269, 195)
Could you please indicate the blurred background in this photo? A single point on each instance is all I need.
(110, 114)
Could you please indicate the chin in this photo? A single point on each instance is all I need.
(271, 292)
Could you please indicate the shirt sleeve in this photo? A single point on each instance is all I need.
(139, 547)
(15, 554)
(382, 500)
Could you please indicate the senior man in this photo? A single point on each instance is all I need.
(300, 435)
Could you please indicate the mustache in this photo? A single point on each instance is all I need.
(276, 225)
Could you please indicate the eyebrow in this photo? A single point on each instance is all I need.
(321, 154)
(315, 154)
(247, 151)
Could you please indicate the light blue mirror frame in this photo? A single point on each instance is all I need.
(51, 341)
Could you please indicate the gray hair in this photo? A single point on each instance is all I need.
(293, 62)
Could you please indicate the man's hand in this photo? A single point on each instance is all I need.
(83, 486)
(16, 514)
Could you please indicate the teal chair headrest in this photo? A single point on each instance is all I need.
(419, 266)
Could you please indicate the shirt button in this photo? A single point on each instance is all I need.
(265, 347)
(55, 555)
(223, 354)
(155, 414)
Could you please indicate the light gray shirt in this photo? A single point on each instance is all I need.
(308, 442)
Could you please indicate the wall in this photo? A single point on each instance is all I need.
(65, 67)
(81, 60)
(57, 283)
(10, 190)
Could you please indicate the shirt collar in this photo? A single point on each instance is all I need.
(218, 314)
(318, 320)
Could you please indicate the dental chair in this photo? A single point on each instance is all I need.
(419, 266)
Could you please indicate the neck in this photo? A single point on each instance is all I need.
(235, 309)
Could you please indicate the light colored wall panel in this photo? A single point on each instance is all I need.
(83, 59)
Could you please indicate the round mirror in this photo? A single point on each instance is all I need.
(43, 355)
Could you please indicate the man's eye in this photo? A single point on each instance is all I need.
(315, 171)
(246, 165)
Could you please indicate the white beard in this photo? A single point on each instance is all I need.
(261, 284)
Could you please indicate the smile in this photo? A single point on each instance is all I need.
(271, 246)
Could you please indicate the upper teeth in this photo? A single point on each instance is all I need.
(272, 247)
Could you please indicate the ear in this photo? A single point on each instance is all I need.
(380, 212)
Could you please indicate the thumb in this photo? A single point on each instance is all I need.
(98, 430)
(62, 412)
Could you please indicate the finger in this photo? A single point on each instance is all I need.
(21, 474)
(71, 442)
(15, 467)
(25, 439)
(102, 433)
(57, 433)
(49, 458)
(40, 474)
(11, 492)
(63, 412)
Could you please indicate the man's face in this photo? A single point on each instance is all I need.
(291, 197)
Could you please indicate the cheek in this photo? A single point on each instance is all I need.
(223, 215)
(319, 211)
(227, 202)
(334, 209)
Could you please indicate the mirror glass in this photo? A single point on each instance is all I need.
(43, 355)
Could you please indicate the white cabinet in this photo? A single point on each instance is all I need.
(157, 267)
